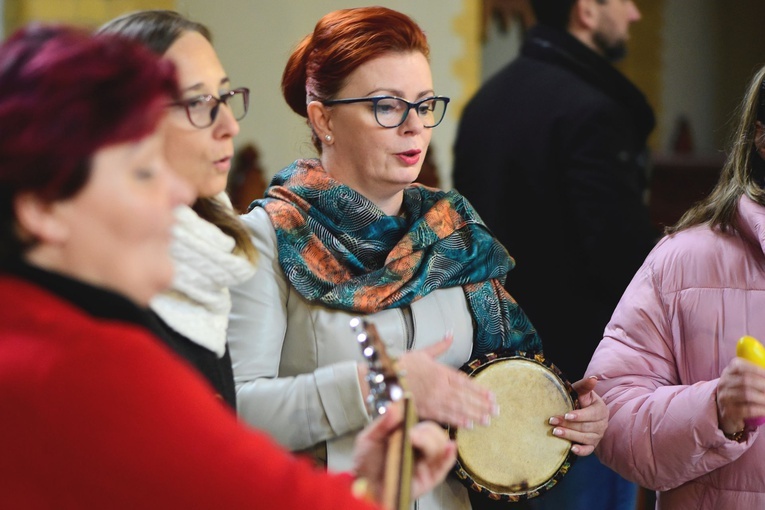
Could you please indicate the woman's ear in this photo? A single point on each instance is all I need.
(37, 218)
(319, 117)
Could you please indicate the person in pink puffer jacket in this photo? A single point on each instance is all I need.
(667, 367)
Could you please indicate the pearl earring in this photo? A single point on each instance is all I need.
(328, 138)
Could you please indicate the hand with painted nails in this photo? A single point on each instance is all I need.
(584, 426)
(442, 393)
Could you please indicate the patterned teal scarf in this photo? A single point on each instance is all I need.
(339, 249)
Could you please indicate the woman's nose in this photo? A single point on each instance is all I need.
(226, 124)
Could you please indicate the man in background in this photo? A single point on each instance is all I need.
(552, 153)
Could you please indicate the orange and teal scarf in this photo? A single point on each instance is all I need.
(338, 249)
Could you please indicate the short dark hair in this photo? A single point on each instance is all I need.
(65, 94)
(553, 13)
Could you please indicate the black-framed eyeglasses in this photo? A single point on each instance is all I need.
(391, 111)
(203, 110)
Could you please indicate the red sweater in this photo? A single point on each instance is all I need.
(95, 413)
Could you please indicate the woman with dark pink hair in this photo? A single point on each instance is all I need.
(96, 412)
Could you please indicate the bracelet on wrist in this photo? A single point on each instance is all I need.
(738, 437)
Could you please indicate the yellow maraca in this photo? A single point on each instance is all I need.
(751, 350)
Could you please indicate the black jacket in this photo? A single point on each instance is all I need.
(218, 372)
(552, 153)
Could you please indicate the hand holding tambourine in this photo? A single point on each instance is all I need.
(527, 449)
(584, 426)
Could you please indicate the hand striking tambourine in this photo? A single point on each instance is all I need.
(516, 457)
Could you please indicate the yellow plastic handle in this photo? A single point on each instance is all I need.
(751, 350)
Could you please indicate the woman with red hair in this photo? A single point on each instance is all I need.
(96, 412)
(349, 234)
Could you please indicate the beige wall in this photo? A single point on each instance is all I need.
(688, 79)
(255, 37)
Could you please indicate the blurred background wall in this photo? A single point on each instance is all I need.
(692, 58)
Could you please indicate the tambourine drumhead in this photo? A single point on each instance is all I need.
(516, 457)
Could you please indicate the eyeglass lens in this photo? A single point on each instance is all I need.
(204, 110)
(391, 112)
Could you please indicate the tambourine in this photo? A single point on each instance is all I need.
(516, 457)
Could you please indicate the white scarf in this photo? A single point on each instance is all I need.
(198, 302)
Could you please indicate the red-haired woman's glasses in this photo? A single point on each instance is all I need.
(203, 110)
(391, 111)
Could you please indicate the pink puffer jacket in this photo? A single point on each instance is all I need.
(671, 336)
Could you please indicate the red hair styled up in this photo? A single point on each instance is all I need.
(341, 42)
(65, 94)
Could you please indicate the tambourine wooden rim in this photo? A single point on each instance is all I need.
(514, 494)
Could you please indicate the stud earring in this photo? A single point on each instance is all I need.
(328, 138)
